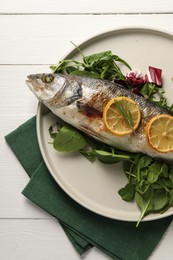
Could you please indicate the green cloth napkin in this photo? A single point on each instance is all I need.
(24, 144)
(117, 239)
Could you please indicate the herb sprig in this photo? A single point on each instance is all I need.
(126, 114)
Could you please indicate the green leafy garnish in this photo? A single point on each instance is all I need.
(150, 91)
(103, 65)
(111, 156)
(106, 65)
(128, 192)
(68, 139)
(152, 182)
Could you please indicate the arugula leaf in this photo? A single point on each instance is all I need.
(91, 59)
(85, 73)
(149, 90)
(99, 65)
(65, 64)
(170, 108)
(145, 204)
(153, 182)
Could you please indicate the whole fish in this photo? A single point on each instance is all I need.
(80, 101)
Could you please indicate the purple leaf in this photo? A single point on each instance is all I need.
(135, 78)
(154, 75)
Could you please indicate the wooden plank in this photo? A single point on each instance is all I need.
(13, 203)
(45, 239)
(34, 239)
(17, 97)
(9, 164)
(77, 6)
(46, 39)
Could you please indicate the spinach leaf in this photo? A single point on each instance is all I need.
(110, 157)
(88, 154)
(159, 200)
(153, 172)
(171, 174)
(128, 192)
(153, 183)
(69, 139)
(143, 161)
(144, 202)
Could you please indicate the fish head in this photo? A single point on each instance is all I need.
(57, 90)
(45, 86)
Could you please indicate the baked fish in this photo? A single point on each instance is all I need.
(80, 101)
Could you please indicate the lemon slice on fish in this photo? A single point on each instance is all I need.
(159, 131)
(121, 116)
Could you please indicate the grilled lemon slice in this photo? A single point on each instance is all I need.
(159, 131)
(121, 116)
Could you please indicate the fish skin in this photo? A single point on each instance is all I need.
(79, 101)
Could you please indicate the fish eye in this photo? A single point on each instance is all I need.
(47, 78)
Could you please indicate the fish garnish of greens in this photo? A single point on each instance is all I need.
(78, 91)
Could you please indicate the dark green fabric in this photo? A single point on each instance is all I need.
(117, 239)
(24, 144)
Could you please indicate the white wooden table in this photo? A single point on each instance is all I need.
(34, 34)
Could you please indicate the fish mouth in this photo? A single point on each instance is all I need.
(29, 78)
(28, 83)
(32, 82)
(34, 77)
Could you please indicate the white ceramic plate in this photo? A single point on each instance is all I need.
(95, 185)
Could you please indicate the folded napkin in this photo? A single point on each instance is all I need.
(117, 239)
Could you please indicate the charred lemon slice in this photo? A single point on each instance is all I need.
(159, 131)
(121, 116)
